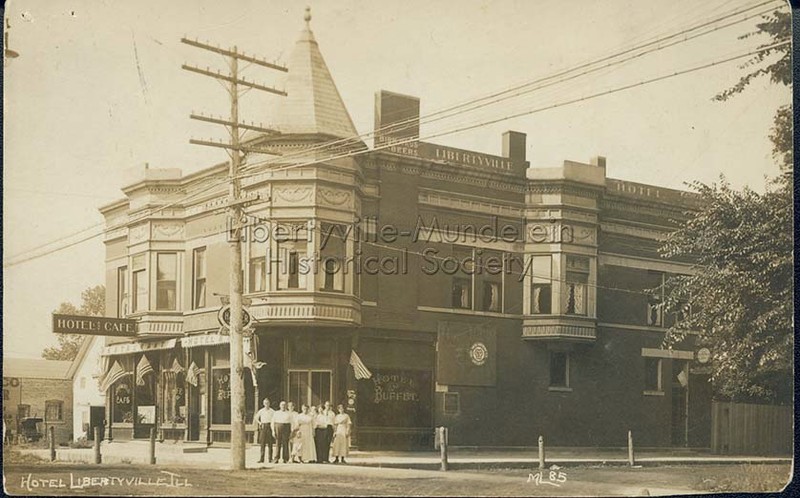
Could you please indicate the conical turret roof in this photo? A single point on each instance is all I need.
(313, 105)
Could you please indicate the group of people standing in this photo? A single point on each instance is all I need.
(313, 435)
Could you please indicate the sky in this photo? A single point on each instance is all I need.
(97, 92)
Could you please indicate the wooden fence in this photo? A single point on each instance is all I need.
(749, 429)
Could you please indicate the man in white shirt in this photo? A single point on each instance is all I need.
(282, 430)
(264, 420)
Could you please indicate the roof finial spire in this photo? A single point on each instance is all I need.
(307, 17)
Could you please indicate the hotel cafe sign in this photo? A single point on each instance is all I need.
(94, 325)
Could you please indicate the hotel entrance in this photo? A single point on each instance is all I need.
(310, 387)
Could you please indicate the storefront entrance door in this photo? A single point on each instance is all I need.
(310, 387)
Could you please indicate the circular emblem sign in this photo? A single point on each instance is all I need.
(703, 355)
(478, 353)
(224, 317)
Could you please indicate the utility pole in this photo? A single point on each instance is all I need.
(235, 208)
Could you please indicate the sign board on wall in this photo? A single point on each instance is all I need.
(395, 398)
(466, 355)
(94, 325)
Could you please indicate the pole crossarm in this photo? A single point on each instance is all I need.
(231, 79)
(222, 121)
(240, 148)
(236, 54)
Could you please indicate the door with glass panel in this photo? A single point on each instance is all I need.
(310, 387)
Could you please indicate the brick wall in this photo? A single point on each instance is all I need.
(35, 393)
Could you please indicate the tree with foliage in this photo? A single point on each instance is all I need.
(741, 296)
(93, 303)
(778, 27)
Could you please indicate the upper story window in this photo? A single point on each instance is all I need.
(492, 296)
(462, 293)
(576, 286)
(122, 292)
(139, 282)
(257, 281)
(542, 285)
(199, 278)
(655, 302)
(166, 281)
(332, 257)
(293, 264)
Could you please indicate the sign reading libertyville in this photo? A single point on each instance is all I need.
(94, 325)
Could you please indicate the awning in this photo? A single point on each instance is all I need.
(137, 347)
(204, 340)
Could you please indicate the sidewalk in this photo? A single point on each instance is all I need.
(458, 458)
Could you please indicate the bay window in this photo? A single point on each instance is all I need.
(541, 285)
(199, 278)
(166, 281)
(139, 282)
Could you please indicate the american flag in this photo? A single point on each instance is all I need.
(176, 367)
(361, 371)
(143, 368)
(115, 373)
(191, 374)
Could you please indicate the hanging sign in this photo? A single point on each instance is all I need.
(224, 317)
(94, 325)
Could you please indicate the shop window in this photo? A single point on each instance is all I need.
(122, 292)
(199, 278)
(174, 396)
(462, 293)
(652, 374)
(122, 405)
(146, 395)
(54, 411)
(166, 281)
(559, 369)
(452, 403)
(541, 285)
(492, 296)
(139, 283)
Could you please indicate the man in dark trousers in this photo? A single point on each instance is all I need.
(330, 415)
(282, 430)
(265, 437)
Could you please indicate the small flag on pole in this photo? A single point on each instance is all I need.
(143, 368)
(115, 373)
(192, 373)
(176, 367)
(361, 371)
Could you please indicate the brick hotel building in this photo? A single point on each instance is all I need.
(564, 342)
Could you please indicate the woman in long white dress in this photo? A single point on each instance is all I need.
(341, 435)
(306, 451)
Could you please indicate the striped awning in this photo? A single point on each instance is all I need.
(137, 347)
(204, 340)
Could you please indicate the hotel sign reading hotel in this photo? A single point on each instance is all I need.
(94, 325)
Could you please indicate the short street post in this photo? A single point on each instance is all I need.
(443, 447)
(52, 436)
(541, 452)
(97, 456)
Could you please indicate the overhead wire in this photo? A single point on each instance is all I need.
(394, 126)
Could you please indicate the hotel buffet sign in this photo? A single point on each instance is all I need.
(94, 325)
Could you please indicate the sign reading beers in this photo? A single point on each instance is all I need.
(94, 325)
